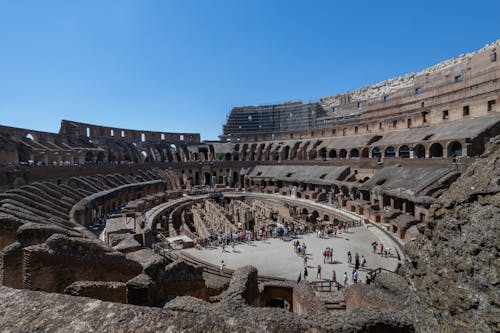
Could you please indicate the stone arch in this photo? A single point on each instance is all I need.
(344, 189)
(326, 218)
(227, 157)
(354, 153)
(89, 157)
(100, 157)
(436, 150)
(276, 154)
(454, 149)
(343, 153)
(376, 153)
(313, 153)
(419, 151)
(332, 153)
(322, 153)
(404, 151)
(285, 152)
(390, 152)
(365, 152)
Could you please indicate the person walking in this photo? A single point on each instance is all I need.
(305, 273)
(349, 257)
(318, 273)
(346, 279)
(334, 277)
(221, 268)
(363, 261)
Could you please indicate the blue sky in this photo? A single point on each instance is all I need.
(182, 65)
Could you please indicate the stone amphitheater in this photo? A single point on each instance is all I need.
(95, 220)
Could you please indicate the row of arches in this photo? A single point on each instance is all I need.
(257, 153)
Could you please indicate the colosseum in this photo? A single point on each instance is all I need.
(113, 229)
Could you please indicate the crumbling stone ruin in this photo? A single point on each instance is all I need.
(89, 215)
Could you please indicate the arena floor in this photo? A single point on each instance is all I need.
(275, 257)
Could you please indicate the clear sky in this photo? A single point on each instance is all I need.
(182, 65)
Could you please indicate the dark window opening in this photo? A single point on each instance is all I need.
(491, 104)
(466, 110)
(424, 117)
(458, 78)
(418, 91)
(408, 123)
(445, 114)
(394, 123)
(360, 105)
(386, 98)
(322, 176)
(356, 129)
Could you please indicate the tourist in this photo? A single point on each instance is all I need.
(356, 261)
(363, 261)
(354, 276)
(374, 245)
(349, 257)
(305, 273)
(381, 249)
(334, 277)
(305, 260)
(330, 255)
(326, 252)
(318, 273)
(346, 279)
(221, 266)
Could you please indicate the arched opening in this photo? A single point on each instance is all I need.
(143, 137)
(436, 150)
(326, 218)
(404, 152)
(144, 156)
(228, 157)
(419, 151)
(29, 136)
(376, 152)
(313, 154)
(23, 153)
(236, 156)
(100, 157)
(207, 179)
(89, 157)
(322, 153)
(314, 217)
(276, 155)
(354, 153)
(332, 153)
(390, 152)
(236, 175)
(365, 153)
(454, 149)
(285, 152)
(343, 153)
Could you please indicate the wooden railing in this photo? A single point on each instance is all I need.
(326, 285)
